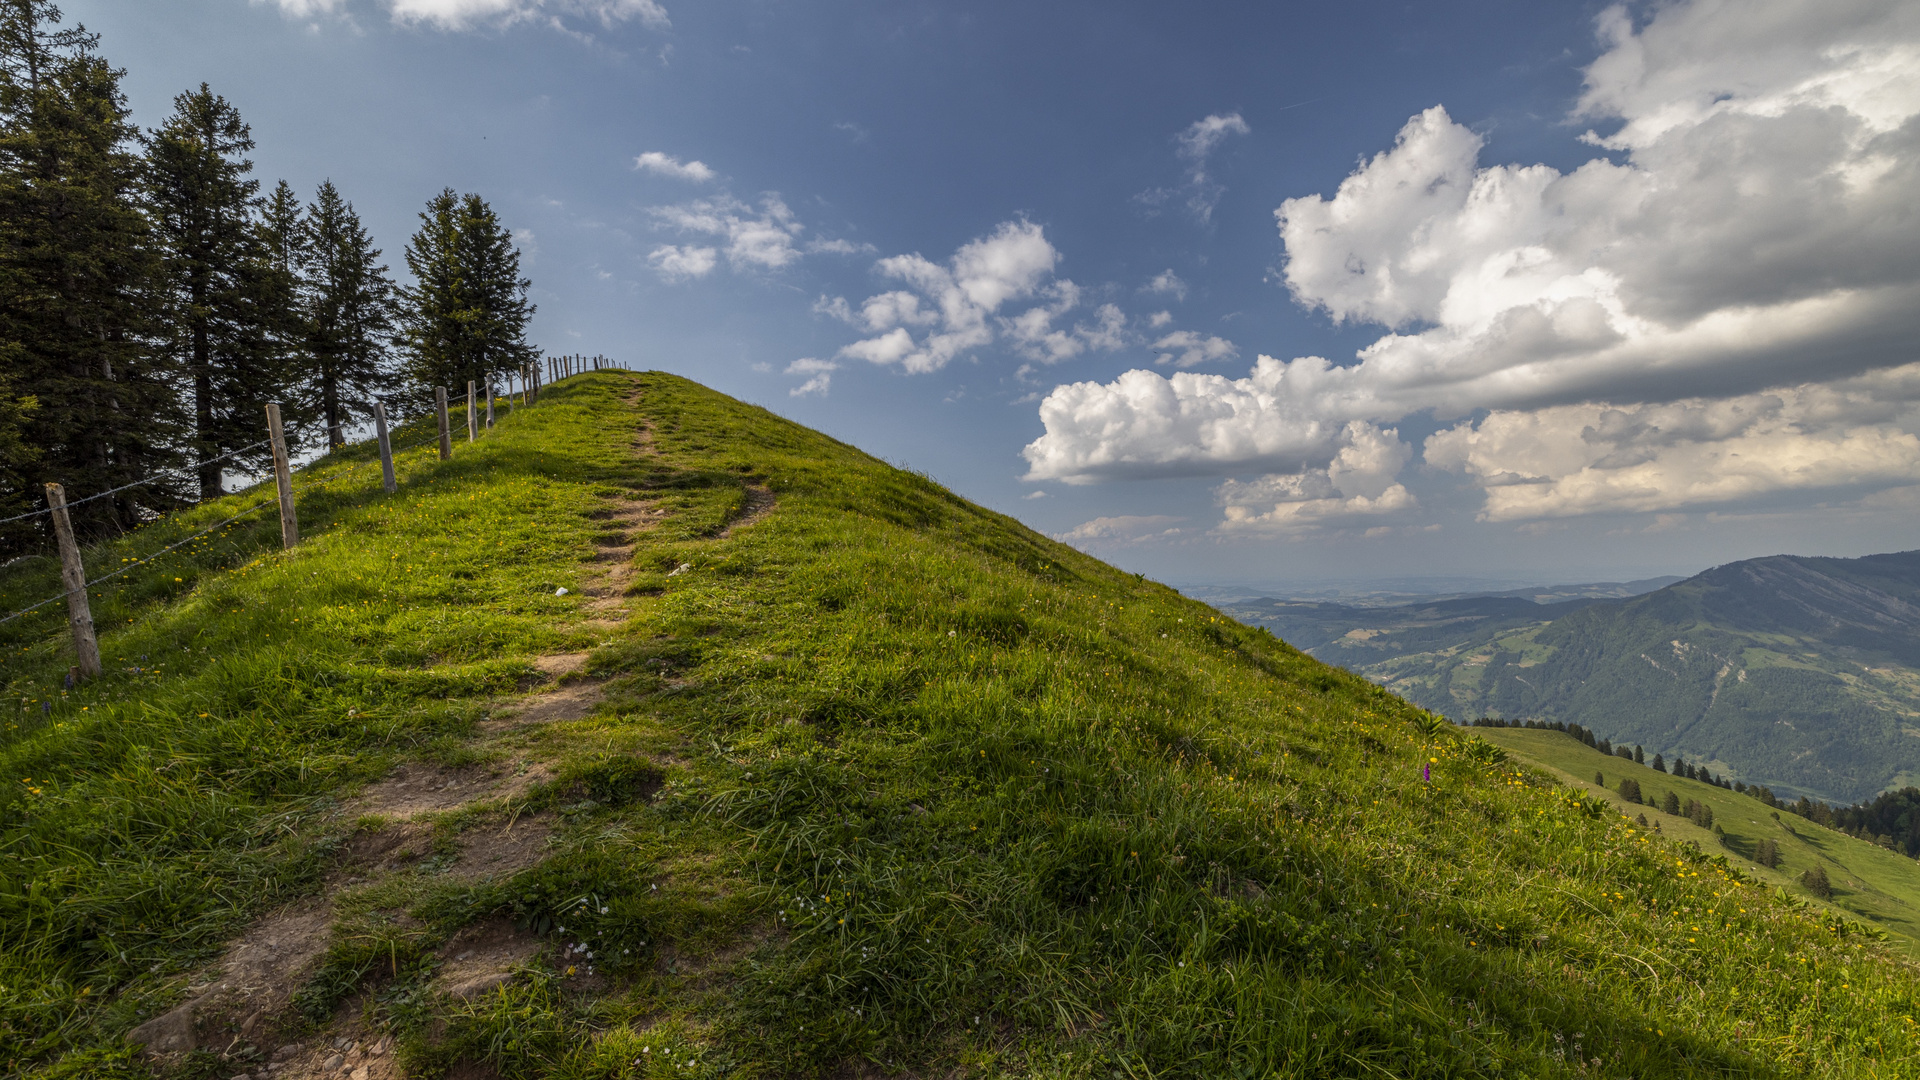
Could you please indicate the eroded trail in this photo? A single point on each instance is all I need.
(473, 818)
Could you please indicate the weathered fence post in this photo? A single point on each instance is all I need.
(73, 574)
(489, 399)
(282, 478)
(386, 448)
(446, 431)
(473, 418)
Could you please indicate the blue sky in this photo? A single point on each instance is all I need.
(1601, 291)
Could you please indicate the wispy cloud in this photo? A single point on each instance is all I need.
(654, 161)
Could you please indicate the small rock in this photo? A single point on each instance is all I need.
(332, 1063)
(286, 1051)
(169, 1033)
(481, 984)
(360, 1073)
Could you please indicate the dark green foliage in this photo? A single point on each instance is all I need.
(1767, 853)
(1630, 789)
(1659, 765)
(225, 294)
(1670, 803)
(1815, 880)
(1600, 779)
(347, 307)
(83, 400)
(465, 317)
(1894, 815)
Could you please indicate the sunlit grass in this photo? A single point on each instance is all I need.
(935, 793)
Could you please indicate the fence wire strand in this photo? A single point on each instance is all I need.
(394, 451)
(142, 482)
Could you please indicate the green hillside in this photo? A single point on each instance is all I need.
(1867, 880)
(813, 769)
(1802, 674)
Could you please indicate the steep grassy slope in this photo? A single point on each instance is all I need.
(879, 782)
(1797, 673)
(1868, 880)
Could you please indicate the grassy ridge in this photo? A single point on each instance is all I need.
(1868, 880)
(939, 793)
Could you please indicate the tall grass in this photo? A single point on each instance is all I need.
(939, 794)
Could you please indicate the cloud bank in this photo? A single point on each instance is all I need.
(1739, 261)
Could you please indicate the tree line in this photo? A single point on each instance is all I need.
(1891, 819)
(153, 298)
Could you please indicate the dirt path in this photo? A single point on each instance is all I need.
(238, 1005)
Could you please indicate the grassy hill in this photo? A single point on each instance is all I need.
(1799, 673)
(1868, 880)
(813, 769)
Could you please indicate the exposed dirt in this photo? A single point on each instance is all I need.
(760, 503)
(569, 702)
(413, 789)
(497, 849)
(482, 956)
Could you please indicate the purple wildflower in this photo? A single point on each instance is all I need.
(1426, 773)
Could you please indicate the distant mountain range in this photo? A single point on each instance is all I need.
(1799, 673)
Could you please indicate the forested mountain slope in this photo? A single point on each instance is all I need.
(653, 735)
(1798, 673)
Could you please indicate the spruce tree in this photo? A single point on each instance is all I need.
(1767, 853)
(349, 313)
(465, 317)
(1639, 754)
(1815, 880)
(223, 297)
(86, 401)
(1670, 803)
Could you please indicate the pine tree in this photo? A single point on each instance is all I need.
(465, 317)
(349, 313)
(1658, 765)
(1639, 755)
(1599, 778)
(1670, 803)
(1767, 853)
(223, 295)
(87, 402)
(1815, 880)
(1630, 789)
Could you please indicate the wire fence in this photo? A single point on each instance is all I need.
(142, 482)
(386, 460)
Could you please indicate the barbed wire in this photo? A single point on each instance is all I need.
(395, 451)
(142, 482)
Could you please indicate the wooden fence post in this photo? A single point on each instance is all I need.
(73, 574)
(446, 431)
(489, 399)
(386, 448)
(282, 478)
(473, 419)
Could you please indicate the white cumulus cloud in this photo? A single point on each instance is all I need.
(819, 375)
(954, 303)
(1125, 528)
(1185, 349)
(1749, 229)
(1357, 487)
(654, 161)
(675, 263)
(756, 238)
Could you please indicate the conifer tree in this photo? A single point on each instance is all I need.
(348, 311)
(466, 315)
(1658, 765)
(1630, 789)
(222, 294)
(1639, 755)
(1670, 803)
(1767, 853)
(86, 403)
(1815, 880)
